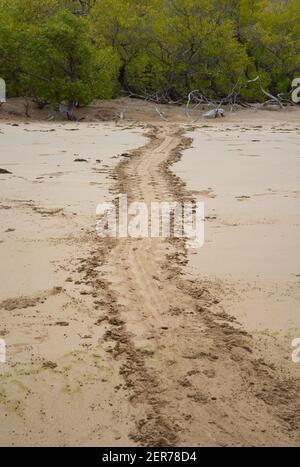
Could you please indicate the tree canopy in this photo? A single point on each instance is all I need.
(77, 50)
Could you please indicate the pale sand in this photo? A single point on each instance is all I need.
(50, 203)
(249, 181)
(115, 342)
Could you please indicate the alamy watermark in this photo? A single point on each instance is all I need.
(2, 91)
(296, 352)
(2, 351)
(296, 90)
(152, 220)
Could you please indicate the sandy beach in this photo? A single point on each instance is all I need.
(249, 180)
(123, 342)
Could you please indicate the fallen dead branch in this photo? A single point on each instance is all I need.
(272, 99)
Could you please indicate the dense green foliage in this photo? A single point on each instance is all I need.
(78, 50)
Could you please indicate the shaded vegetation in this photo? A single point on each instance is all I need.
(74, 51)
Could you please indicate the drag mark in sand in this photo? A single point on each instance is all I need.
(190, 371)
